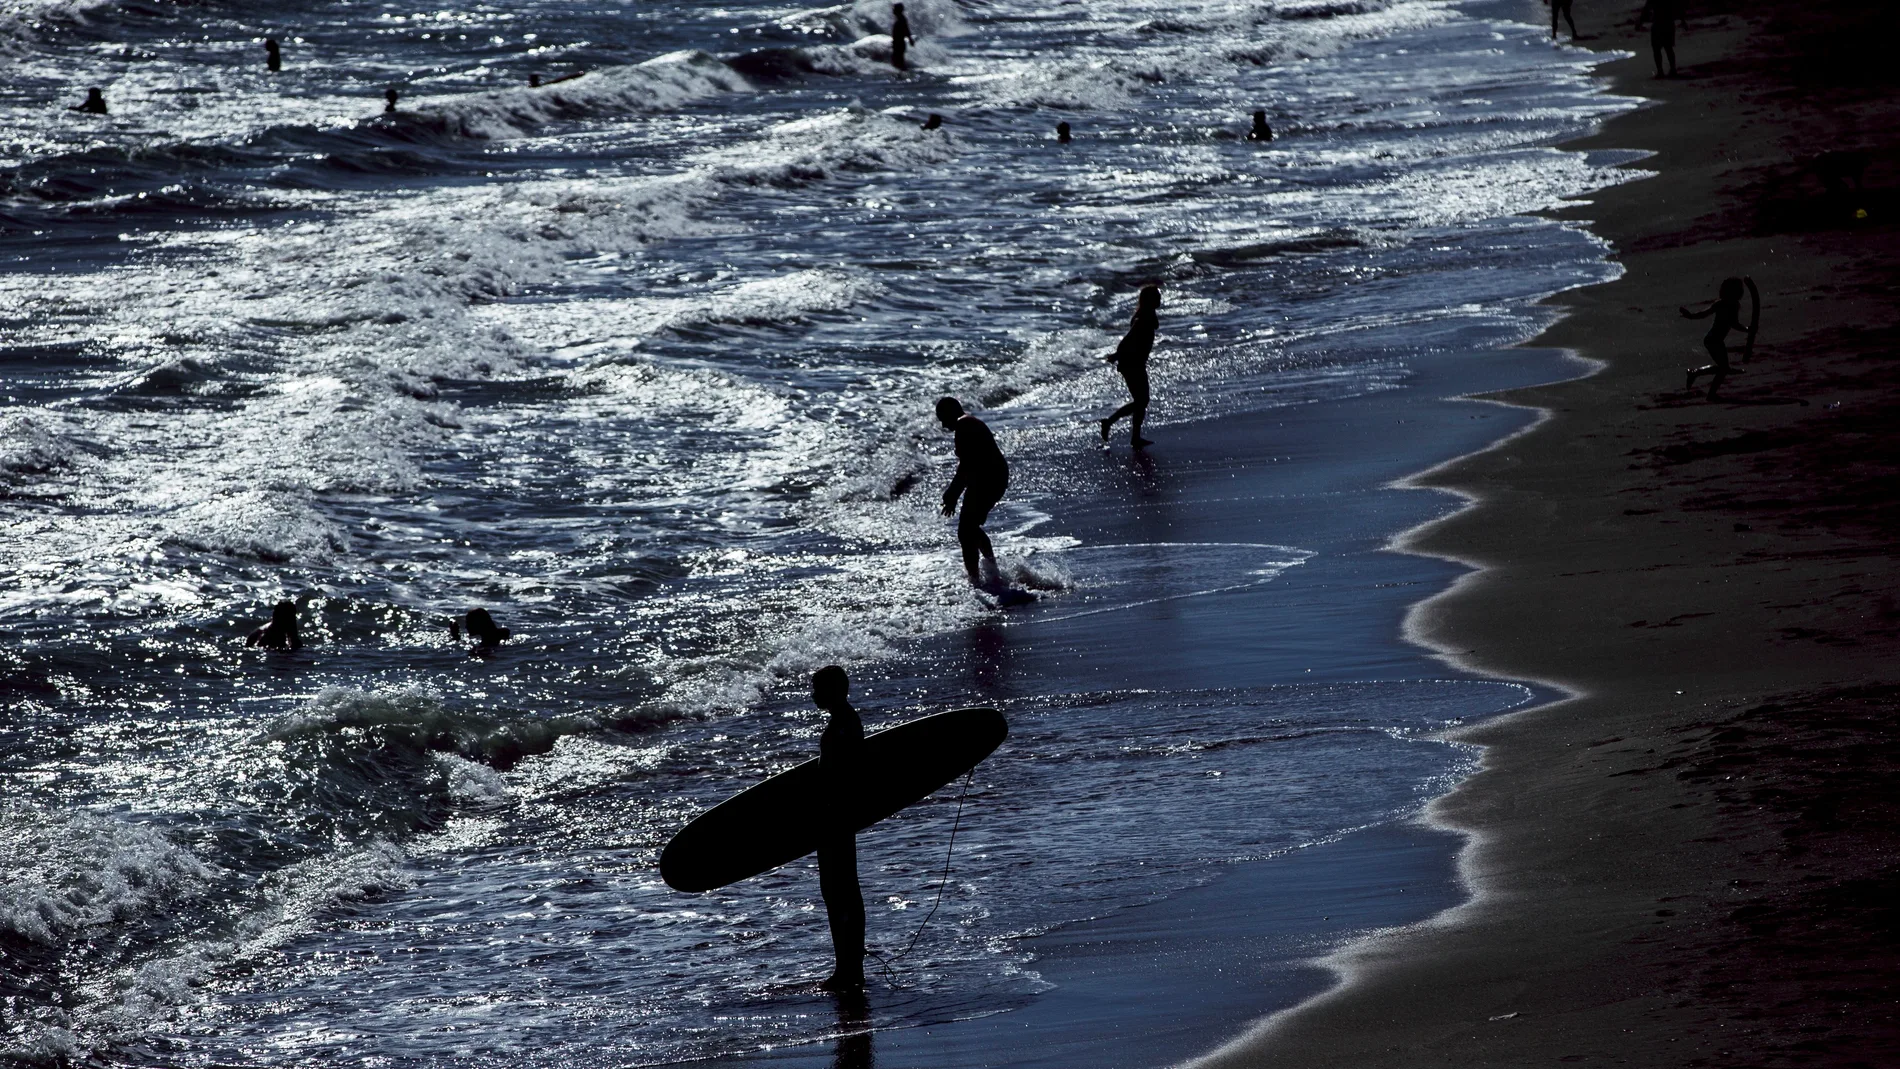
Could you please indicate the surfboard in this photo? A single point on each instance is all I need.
(781, 820)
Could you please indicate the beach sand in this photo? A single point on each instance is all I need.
(1693, 860)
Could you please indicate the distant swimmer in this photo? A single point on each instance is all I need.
(1131, 359)
(982, 476)
(481, 628)
(1062, 134)
(840, 755)
(281, 632)
(901, 37)
(1663, 17)
(1261, 131)
(95, 103)
(390, 96)
(934, 122)
(273, 56)
(1561, 7)
(1727, 310)
(534, 81)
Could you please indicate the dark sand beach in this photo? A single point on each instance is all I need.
(1691, 861)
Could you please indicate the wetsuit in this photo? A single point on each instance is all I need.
(840, 749)
(900, 36)
(982, 476)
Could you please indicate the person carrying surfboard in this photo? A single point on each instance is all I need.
(840, 752)
(982, 476)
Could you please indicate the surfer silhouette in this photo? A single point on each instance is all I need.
(1663, 17)
(1062, 133)
(1261, 131)
(982, 476)
(934, 122)
(1727, 310)
(1131, 359)
(95, 102)
(840, 749)
(901, 37)
(390, 96)
(481, 628)
(273, 56)
(281, 632)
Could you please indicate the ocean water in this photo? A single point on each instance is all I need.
(643, 361)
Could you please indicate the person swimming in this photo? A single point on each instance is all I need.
(390, 96)
(481, 628)
(901, 37)
(840, 754)
(273, 56)
(95, 102)
(934, 122)
(982, 477)
(1131, 359)
(281, 632)
(1727, 310)
(1261, 131)
(1062, 133)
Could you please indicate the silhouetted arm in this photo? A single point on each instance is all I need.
(954, 490)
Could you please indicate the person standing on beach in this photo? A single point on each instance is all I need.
(1561, 7)
(901, 37)
(982, 476)
(1727, 310)
(840, 751)
(1663, 17)
(1131, 359)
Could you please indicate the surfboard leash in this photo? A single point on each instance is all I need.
(943, 881)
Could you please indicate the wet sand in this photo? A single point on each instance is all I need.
(1693, 860)
(1160, 983)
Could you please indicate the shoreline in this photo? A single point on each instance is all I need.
(1676, 864)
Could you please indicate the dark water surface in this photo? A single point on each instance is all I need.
(644, 361)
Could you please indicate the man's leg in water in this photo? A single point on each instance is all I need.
(1138, 408)
(844, 904)
(977, 503)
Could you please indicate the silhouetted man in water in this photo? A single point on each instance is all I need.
(95, 103)
(273, 56)
(1062, 133)
(1261, 131)
(935, 122)
(1663, 17)
(982, 476)
(1131, 359)
(481, 628)
(840, 749)
(1561, 7)
(901, 37)
(1727, 310)
(281, 632)
(390, 96)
